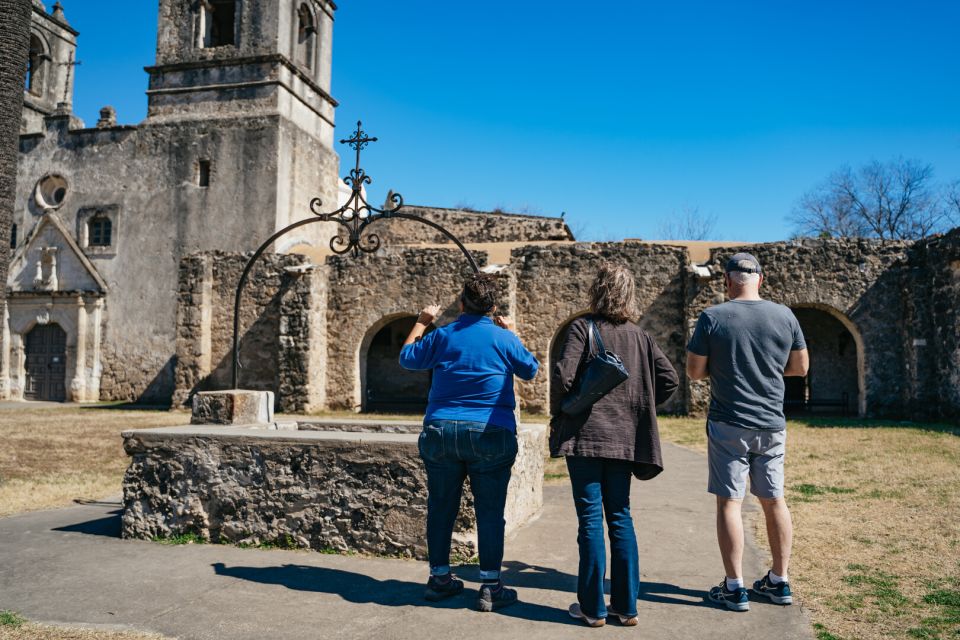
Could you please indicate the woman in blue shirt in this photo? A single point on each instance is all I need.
(469, 430)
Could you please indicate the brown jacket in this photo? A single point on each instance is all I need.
(623, 424)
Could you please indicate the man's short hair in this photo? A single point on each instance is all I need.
(479, 295)
(740, 277)
(743, 263)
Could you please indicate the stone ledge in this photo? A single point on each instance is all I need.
(359, 491)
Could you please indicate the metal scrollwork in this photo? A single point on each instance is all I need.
(353, 218)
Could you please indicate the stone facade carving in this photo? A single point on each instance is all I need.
(261, 120)
(53, 282)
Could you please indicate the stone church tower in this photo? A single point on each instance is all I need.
(238, 139)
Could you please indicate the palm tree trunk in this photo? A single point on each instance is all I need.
(14, 48)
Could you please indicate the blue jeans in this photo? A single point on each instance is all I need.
(452, 450)
(601, 487)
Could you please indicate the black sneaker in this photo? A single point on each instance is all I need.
(777, 593)
(438, 590)
(736, 600)
(493, 597)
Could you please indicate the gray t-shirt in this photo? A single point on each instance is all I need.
(748, 343)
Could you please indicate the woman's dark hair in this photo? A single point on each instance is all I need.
(613, 293)
(479, 295)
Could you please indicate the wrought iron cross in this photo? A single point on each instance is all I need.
(358, 142)
(354, 216)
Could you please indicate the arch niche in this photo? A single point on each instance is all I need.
(835, 382)
(385, 386)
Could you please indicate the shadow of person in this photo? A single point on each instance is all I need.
(667, 594)
(362, 589)
(531, 576)
(352, 587)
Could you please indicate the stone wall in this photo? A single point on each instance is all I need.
(345, 491)
(281, 327)
(857, 281)
(552, 287)
(471, 227)
(881, 316)
(932, 336)
(368, 292)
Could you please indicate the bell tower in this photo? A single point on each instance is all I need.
(243, 86)
(49, 81)
(224, 58)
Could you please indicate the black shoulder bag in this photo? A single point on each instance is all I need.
(603, 372)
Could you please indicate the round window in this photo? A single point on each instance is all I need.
(50, 192)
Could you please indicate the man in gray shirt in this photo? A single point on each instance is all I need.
(746, 346)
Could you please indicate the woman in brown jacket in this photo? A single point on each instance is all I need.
(608, 443)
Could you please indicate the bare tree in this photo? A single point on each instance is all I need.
(689, 224)
(14, 48)
(894, 200)
(951, 202)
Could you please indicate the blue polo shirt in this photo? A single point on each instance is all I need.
(473, 362)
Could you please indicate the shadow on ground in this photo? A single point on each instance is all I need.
(108, 526)
(362, 589)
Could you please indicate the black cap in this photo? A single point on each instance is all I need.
(743, 262)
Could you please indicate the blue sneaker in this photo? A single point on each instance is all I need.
(736, 600)
(777, 593)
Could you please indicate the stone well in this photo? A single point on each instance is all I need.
(345, 485)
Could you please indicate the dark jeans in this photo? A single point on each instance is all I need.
(452, 450)
(601, 487)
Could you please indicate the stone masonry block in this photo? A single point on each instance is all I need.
(233, 407)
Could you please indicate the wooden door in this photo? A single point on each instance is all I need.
(46, 363)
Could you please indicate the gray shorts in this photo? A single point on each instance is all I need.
(734, 452)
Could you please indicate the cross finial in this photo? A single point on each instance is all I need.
(358, 141)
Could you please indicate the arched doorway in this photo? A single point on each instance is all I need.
(389, 387)
(833, 383)
(46, 366)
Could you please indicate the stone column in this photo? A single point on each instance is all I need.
(93, 381)
(79, 383)
(4, 352)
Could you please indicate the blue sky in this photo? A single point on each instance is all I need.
(620, 113)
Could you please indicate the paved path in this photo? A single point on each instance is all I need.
(69, 567)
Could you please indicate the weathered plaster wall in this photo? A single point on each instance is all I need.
(470, 227)
(150, 175)
(552, 286)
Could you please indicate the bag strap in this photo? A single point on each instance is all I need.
(594, 336)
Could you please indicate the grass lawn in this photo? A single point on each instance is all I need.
(14, 627)
(876, 507)
(876, 512)
(51, 456)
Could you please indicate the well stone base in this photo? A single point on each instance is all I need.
(326, 486)
(234, 406)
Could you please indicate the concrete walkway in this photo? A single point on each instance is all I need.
(69, 567)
